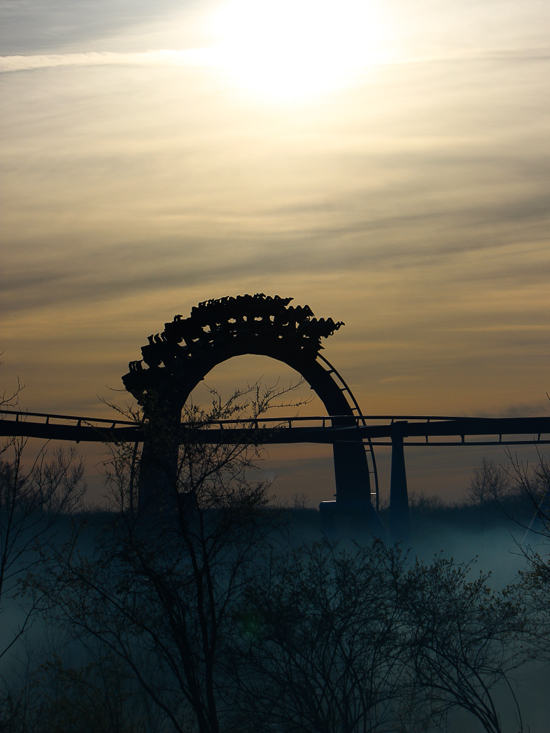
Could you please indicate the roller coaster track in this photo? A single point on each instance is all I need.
(176, 360)
(356, 411)
(411, 430)
(419, 430)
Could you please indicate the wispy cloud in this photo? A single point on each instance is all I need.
(165, 57)
(217, 56)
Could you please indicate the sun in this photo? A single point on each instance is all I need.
(295, 48)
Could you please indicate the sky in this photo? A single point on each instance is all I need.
(386, 163)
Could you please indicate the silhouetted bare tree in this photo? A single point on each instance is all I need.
(463, 640)
(360, 641)
(33, 498)
(321, 645)
(534, 587)
(489, 485)
(160, 588)
(222, 623)
(96, 697)
(532, 482)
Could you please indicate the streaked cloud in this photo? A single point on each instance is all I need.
(191, 57)
(413, 203)
(214, 56)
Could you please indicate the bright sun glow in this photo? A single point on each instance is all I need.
(296, 48)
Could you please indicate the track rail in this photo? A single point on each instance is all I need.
(423, 430)
(361, 420)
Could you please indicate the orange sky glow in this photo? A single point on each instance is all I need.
(386, 163)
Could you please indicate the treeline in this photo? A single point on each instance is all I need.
(496, 498)
(209, 617)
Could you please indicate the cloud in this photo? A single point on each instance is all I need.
(190, 57)
(412, 206)
(212, 56)
(33, 25)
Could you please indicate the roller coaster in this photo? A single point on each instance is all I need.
(176, 360)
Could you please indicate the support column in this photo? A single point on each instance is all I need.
(400, 530)
(352, 513)
(157, 487)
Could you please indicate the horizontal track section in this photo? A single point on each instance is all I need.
(287, 430)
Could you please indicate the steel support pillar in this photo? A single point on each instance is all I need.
(157, 486)
(400, 530)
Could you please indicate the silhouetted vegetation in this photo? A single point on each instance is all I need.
(495, 499)
(210, 613)
(33, 498)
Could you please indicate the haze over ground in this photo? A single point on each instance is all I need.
(386, 163)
